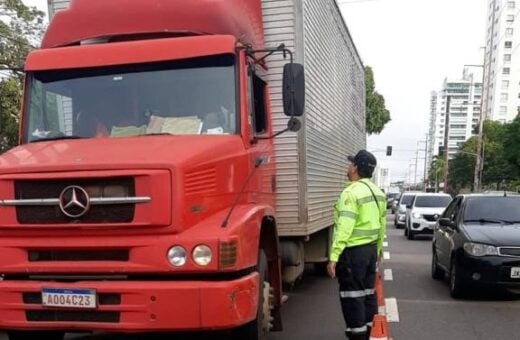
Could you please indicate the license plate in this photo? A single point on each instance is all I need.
(69, 298)
(515, 273)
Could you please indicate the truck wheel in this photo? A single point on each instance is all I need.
(37, 335)
(259, 329)
(320, 268)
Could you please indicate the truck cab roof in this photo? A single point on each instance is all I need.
(87, 21)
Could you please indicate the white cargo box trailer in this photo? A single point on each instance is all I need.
(310, 164)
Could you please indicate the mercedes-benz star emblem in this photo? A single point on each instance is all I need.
(74, 201)
(436, 217)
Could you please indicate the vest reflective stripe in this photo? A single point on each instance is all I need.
(348, 214)
(370, 291)
(365, 232)
(352, 294)
(358, 329)
(368, 199)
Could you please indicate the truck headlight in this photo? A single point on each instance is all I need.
(416, 215)
(202, 255)
(478, 249)
(177, 256)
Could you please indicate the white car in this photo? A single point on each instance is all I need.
(424, 212)
(400, 214)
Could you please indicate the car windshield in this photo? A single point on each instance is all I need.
(195, 96)
(432, 201)
(393, 196)
(505, 209)
(407, 199)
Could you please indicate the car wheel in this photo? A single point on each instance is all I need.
(457, 285)
(411, 235)
(437, 272)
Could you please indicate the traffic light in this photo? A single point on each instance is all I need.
(389, 151)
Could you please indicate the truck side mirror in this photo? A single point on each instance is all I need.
(293, 90)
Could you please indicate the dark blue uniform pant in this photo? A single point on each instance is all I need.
(356, 273)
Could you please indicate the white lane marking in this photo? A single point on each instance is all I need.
(388, 275)
(386, 255)
(385, 237)
(392, 313)
(385, 244)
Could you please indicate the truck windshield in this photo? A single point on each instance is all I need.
(189, 97)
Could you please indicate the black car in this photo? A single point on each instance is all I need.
(477, 242)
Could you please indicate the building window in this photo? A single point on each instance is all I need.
(509, 32)
(511, 4)
(508, 44)
(506, 70)
(510, 18)
(504, 97)
(503, 110)
(505, 85)
(507, 57)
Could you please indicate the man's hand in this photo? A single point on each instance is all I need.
(331, 269)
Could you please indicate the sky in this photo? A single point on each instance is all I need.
(412, 45)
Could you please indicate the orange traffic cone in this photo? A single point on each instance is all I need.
(379, 328)
(380, 294)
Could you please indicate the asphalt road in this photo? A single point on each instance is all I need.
(424, 308)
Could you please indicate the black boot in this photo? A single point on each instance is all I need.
(356, 336)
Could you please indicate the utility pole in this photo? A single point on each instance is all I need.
(446, 142)
(416, 161)
(480, 138)
(425, 181)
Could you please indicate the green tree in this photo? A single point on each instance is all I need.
(377, 114)
(20, 31)
(511, 148)
(462, 166)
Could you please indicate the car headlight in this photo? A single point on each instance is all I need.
(478, 249)
(177, 256)
(202, 255)
(416, 215)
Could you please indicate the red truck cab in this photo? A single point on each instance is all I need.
(141, 196)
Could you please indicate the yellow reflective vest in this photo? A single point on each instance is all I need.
(358, 219)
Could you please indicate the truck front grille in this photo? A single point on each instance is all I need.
(121, 255)
(96, 188)
(72, 316)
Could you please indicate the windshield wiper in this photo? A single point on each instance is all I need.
(54, 138)
(488, 220)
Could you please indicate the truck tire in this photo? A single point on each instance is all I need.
(258, 329)
(37, 335)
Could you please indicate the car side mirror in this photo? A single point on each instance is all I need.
(293, 90)
(446, 222)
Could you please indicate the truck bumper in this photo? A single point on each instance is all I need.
(134, 306)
